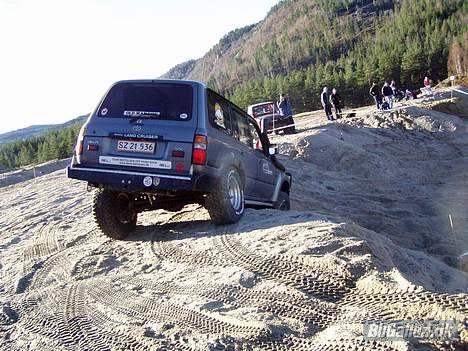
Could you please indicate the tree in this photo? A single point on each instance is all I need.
(24, 157)
(458, 57)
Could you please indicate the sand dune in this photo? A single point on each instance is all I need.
(368, 238)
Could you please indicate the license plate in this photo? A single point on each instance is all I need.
(135, 146)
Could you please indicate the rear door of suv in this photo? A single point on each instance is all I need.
(224, 141)
(256, 163)
(143, 126)
(267, 173)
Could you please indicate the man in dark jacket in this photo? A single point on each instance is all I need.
(387, 92)
(335, 101)
(326, 104)
(375, 93)
(285, 108)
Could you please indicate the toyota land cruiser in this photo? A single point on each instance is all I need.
(162, 144)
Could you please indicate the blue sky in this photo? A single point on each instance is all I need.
(58, 57)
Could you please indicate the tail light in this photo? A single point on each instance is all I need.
(79, 144)
(200, 144)
(93, 147)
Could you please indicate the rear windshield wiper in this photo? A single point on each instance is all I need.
(137, 118)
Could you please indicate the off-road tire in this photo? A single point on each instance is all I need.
(282, 203)
(219, 204)
(106, 210)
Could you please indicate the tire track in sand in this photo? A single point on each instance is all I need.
(388, 305)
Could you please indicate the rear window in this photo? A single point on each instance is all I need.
(162, 101)
(262, 110)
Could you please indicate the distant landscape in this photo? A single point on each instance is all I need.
(301, 46)
(37, 144)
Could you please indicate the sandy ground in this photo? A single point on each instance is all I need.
(369, 238)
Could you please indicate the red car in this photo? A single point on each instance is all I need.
(269, 119)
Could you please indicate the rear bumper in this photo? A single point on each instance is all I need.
(130, 181)
(279, 123)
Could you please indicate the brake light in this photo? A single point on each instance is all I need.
(93, 147)
(200, 144)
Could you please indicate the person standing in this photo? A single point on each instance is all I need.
(409, 94)
(326, 104)
(394, 87)
(284, 106)
(427, 90)
(375, 93)
(387, 92)
(285, 109)
(427, 83)
(335, 101)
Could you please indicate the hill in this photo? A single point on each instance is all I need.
(302, 45)
(38, 130)
(24, 133)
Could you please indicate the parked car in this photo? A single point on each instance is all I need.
(269, 118)
(163, 144)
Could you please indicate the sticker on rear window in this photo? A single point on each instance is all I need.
(219, 116)
(183, 116)
(104, 111)
(141, 113)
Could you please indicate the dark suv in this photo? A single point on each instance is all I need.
(162, 144)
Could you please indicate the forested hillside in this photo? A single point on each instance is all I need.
(37, 144)
(37, 130)
(303, 45)
(56, 144)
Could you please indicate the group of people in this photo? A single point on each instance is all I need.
(384, 97)
(331, 101)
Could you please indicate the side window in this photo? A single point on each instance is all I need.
(218, 113)
(243, 128)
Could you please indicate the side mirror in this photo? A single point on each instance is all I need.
(273, 150)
